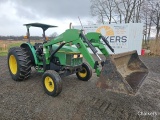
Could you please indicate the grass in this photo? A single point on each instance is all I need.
(5, 45)
(4, 53)
(153, 46)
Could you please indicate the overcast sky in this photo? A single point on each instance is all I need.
(15, 13)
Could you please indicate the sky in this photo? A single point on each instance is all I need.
(15, 13)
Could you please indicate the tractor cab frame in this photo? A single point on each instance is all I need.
(43, 26)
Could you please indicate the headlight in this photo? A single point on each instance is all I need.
(77, 56)
(81, 55)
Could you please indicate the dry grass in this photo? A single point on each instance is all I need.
(154, 46)
(5, 45)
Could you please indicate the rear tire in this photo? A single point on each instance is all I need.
(19, 64)
(52, 83)
(85, 74)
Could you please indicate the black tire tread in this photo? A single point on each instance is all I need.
(57, 81)
(23, 61)
(89, 72)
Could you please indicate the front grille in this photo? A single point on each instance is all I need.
(73, 61)
(68, 59)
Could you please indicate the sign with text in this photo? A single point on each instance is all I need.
(122, 37)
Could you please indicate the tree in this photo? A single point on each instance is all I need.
(127, 11)
(131, 10)
(156, 16)
(104, 10)
(146, 17)
(116, 10)
(53, 35)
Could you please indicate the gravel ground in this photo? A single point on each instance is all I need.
(78, 100)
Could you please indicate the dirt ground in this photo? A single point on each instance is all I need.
(78, 100)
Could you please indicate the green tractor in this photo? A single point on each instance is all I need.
(63, 56)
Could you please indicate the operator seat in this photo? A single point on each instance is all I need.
(39, 48)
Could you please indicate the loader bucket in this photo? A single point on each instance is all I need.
(123, 73)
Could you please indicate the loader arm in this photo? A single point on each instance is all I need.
(119, 72)
(77, 38)
(94, 38)
(123, 72)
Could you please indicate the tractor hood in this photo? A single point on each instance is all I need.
(66, 49)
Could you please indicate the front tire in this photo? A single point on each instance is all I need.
(52, 83)
(85, 74)
(19, 64)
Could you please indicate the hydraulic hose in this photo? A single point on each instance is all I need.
(89, 44)
(107, 43)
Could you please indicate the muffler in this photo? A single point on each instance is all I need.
(123, 73)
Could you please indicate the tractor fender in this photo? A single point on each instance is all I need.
(31, 52)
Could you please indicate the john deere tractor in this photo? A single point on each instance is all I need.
(63, 56)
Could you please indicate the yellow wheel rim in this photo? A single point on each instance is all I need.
(83, 74)
(49, 84)
(13, 64)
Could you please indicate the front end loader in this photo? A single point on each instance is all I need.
(123, 72)
(58, 58)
